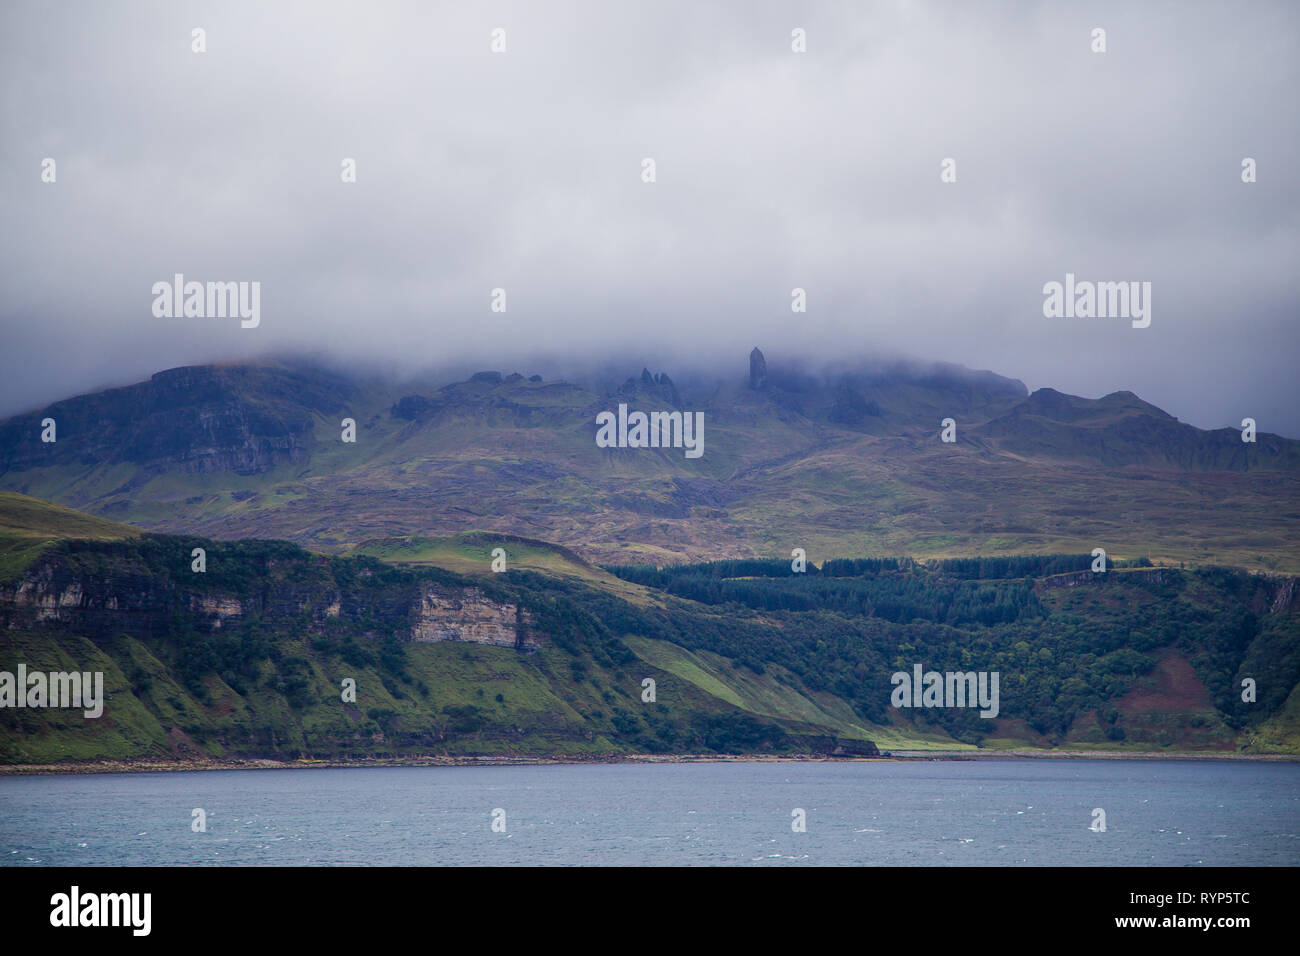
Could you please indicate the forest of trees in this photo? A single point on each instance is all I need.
(847, 628)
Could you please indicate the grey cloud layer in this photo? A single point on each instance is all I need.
(775, 170)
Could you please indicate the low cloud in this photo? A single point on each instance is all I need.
(775, 170)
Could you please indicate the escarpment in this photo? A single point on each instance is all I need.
(150, 590)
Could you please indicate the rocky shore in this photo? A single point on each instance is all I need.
(189, 765)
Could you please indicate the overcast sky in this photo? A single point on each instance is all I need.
(775, 169)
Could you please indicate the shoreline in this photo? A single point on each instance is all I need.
(896, 756)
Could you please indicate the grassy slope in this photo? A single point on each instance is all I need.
(545, 707)
(29, 525)
(773, 695)
(471, 554)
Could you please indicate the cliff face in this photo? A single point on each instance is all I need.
(1084, 578)
(52, 593)
(469, 615)
(1284, 596)
(193, 420)
(129, 593)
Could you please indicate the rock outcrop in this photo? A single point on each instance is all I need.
(1073, 579)
(657, 387)
(468, 614)
(757, 370)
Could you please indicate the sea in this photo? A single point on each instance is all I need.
(1025, 812)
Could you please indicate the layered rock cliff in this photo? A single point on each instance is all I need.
(469, 615)
(148, 590)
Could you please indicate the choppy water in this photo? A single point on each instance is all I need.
(872, 813)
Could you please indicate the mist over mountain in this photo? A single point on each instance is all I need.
(776, 171)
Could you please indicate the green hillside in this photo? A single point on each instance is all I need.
(29, 525)
(472, 554)
(248, 658)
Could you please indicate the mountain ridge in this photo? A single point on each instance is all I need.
(844, 462)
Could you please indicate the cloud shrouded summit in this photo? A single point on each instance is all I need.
(522, 170)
